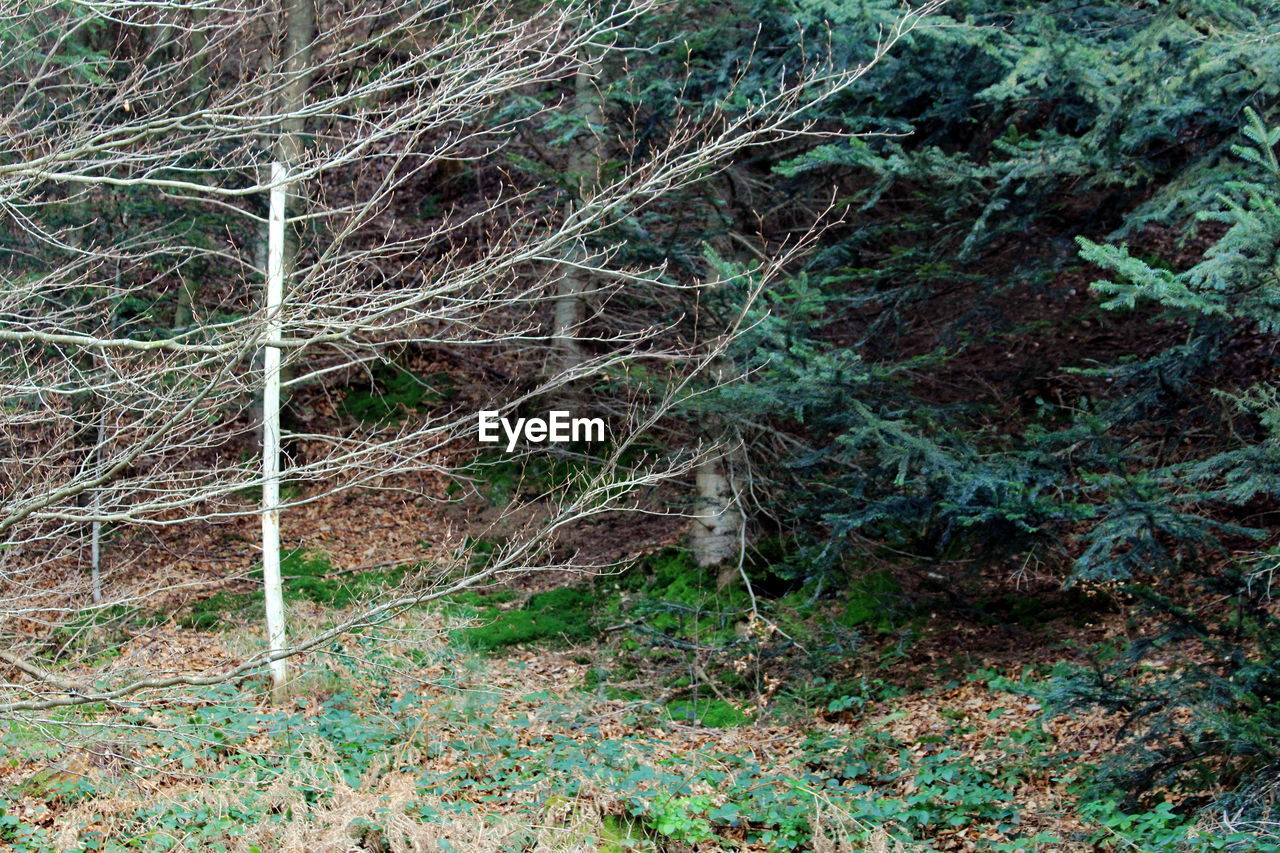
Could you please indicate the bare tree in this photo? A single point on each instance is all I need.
(391, 94)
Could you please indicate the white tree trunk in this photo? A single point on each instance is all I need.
(273, 587)
(718, 529)
(715, 536)
(95, 503)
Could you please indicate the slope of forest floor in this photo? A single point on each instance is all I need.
(626, 712)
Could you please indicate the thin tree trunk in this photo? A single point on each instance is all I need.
(585, 163)
(718, 527)
(273, 587)
(282, 247)
(95, 529)
(197, 86)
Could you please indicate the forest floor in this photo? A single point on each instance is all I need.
(630, 711)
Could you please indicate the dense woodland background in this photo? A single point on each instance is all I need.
(938, 351)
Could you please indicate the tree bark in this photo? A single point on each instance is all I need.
(585, 163)
(197, 89)
(718, 527)
(715, 536)
(282, 247)
(273, 586)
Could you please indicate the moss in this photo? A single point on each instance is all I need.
(218, 609)
(870, 602)
(393, 393)
(676, 597)
(712, 713)
(305, 575)
(594, 678)
(618, 834)
(557, 616)
(473, 598)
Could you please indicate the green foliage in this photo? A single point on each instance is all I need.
(951, 394)
(485, 753)
(20, 836)
(683, 818)
(1203, 723)
(878, 462)
(1238, 277)
(1167, 516)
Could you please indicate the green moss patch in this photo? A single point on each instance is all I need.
(394, 393)
(677, 598)
(712, 713)
(871, 602)
(560, 615)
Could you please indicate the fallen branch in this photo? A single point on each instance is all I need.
(40, 674)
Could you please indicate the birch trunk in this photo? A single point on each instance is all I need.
(273, 587)
(716, 533)
(718, 528)
(282, 247)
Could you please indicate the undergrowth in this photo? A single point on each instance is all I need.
(391, 743)
(450, 756)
